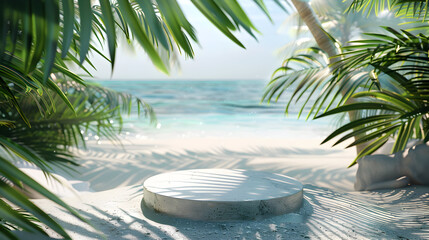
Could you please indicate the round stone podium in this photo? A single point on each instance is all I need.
(222, 194)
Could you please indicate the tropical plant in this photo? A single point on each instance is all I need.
(379, 82)
(308, 68)
(97, 110)
(311, 72)
(397, 104)
(40, 36)
(39, 40)
(47, 143)
(417, 9)
(396, 108)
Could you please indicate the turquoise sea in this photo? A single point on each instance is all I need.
(209, 108)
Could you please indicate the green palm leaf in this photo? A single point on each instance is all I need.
(39, 40)
(385, 75)
(47, 143)
(404, 121)
(409, 8)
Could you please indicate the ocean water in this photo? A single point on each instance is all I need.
(209, 108)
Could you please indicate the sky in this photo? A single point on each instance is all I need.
(216, 57)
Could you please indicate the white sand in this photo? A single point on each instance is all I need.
(332, 210)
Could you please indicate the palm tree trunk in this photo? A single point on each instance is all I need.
(310, 19)
(323, 41)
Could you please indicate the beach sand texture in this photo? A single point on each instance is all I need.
(331, 209)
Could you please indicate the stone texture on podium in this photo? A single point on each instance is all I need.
(222, 194)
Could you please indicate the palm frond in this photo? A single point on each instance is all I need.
(385, 76)
(304, 72)
(397, 65)
(396, 116)
(307, 77)
(11, 216)
(400, 55)
(40, 36)
(402, 8)
(41, 117)
(52, 134)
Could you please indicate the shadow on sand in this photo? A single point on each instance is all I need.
(331, 210)
(326, 214)
(109, 168)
